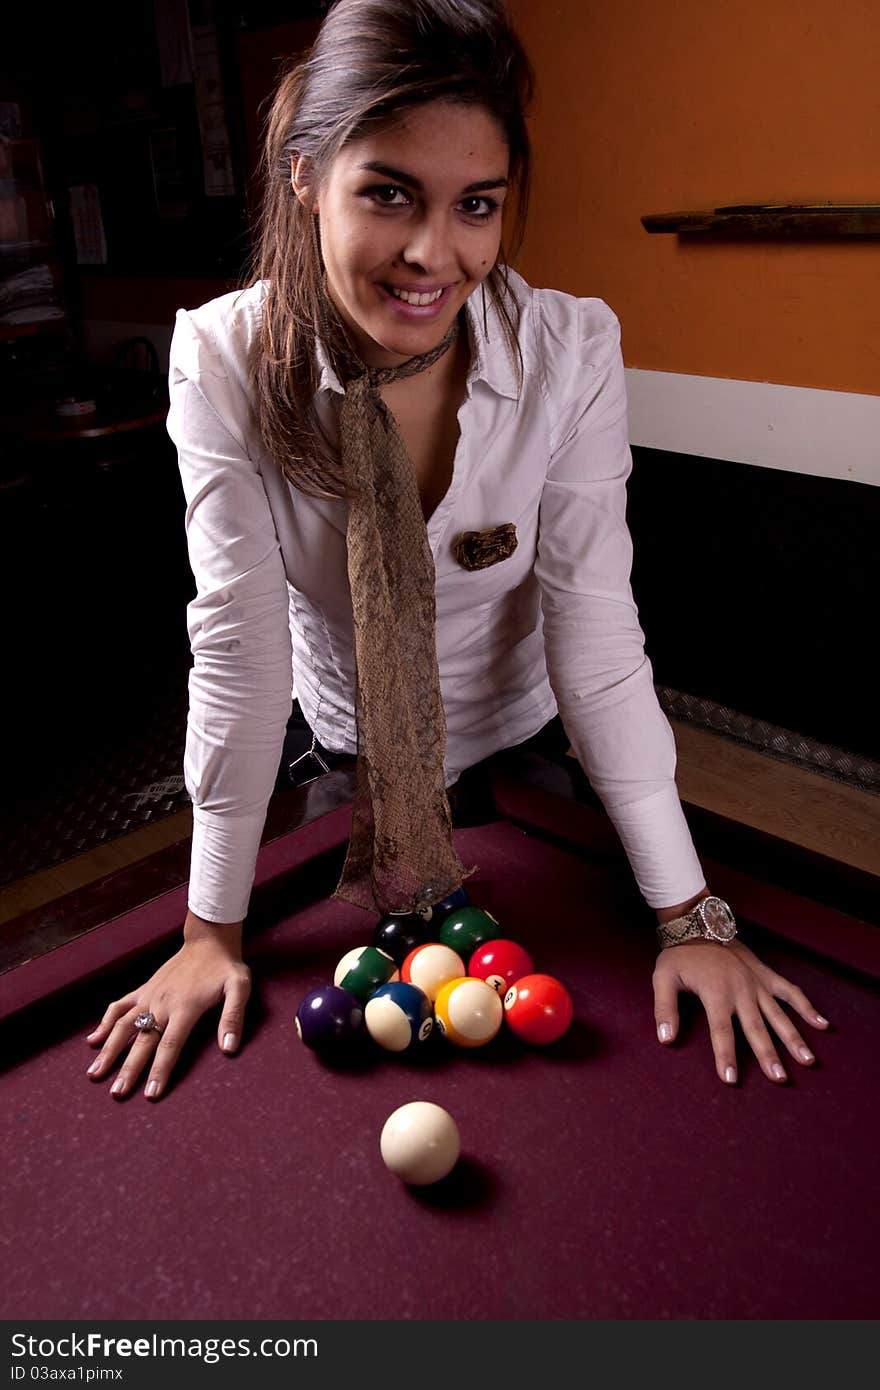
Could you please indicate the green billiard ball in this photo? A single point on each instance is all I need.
(363, 970)
(466, 928)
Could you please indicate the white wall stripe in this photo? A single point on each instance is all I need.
(829, 434)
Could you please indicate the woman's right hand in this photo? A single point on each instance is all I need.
(207, 970)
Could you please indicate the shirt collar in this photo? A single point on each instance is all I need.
(490, 356)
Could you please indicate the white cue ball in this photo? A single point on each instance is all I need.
(420, 1143)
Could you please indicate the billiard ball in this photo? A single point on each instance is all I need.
(329, 1017)
(500, 963)
(398, 933)
(363, 970)
(468, 1012)
(466, 928)
(435, 912)
(538, 1008)
(431, 966)
(399, 1016)
(420, 1143)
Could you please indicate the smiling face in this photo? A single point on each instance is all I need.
(424, 219)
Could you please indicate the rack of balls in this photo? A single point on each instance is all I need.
(412, 981)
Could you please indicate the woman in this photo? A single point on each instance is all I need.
(405, 474)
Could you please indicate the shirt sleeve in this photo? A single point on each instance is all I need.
(240, 685)
(601, 678)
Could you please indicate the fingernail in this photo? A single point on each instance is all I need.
(730, 1075)
(778, 1072)
(152, 1088)
(89, 1036)
(118, 1087)
(823, 1021)
(664, 1032)
(805, 1054)
(94, 1067)
(228, 1042)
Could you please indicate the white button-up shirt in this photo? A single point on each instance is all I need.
(552, 627)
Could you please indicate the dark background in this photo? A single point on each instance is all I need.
(90, 79)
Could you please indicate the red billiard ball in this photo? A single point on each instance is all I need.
(500, 963)
(538, 1008)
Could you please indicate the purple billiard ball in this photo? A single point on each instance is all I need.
(329, 1018)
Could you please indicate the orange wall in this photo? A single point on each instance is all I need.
(648, 106)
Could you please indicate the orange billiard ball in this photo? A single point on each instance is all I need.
(538, 1008)
(429, 967)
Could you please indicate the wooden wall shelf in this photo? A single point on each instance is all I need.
(769, 220)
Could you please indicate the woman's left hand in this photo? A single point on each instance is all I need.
(729, 979)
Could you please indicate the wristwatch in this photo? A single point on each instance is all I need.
(712, 918)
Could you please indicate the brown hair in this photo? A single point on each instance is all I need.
(372, 60)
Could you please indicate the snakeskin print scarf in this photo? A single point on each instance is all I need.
(400, 852)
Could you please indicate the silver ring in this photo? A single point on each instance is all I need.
(146, 1023)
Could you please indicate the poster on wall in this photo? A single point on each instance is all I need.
(88, 225)
(169, 180)
(216, 156)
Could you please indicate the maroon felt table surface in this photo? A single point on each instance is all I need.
(603, 1177)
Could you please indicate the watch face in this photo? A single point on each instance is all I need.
(718, 918)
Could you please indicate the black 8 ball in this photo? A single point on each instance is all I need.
(398, 933)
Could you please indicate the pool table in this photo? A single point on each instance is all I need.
(602, 1177)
